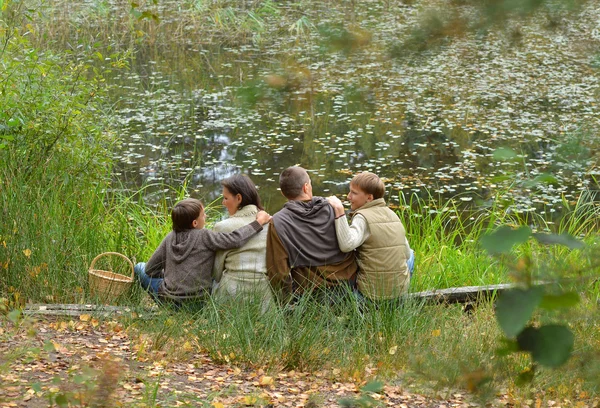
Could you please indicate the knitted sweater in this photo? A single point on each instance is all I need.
(242, 271)
(185, 259)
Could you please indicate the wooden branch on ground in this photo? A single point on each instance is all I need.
(76, 310)
(463, 294)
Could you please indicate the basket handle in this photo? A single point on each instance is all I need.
(115, 254)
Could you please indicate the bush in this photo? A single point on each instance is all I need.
(54, 164)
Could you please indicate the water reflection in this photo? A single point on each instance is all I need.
(193, 111)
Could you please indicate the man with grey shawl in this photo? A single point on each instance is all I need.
(302, 249)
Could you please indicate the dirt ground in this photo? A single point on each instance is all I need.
(81, 361)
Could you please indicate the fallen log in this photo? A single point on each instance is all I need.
(79, 309)
(465, 294)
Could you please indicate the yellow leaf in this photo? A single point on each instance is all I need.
(436, 333)
(393, 350)
(218, 405)
(265, 380)
(58, 347)
(94, 322)
(27, 252)
(250, 400)
(187, 346)
(85, 317)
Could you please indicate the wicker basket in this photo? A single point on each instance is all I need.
(108, 285)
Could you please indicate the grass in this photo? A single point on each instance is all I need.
(63, 211)
(434, 347)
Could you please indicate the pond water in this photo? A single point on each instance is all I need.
(210, 93)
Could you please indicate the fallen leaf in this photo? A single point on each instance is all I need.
(27, 252)
(265, 380)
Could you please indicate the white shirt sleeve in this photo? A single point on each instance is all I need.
(352, 236)
(408, 250)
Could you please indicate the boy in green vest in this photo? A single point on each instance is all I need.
(384, 256)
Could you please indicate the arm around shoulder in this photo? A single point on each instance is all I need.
(352, 236)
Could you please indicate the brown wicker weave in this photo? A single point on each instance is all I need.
(108, 285)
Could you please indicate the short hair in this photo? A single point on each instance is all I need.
(369, 183)
(184, 213)
(242, 185)
(292, 180)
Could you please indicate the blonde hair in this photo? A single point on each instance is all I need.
(369, 183)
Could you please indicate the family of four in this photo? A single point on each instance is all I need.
(306, 247)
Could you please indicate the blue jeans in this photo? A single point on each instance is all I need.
(410, 262)
(147, 283)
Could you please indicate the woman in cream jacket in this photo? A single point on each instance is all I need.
(242, 272)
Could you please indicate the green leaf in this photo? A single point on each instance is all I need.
(508, 347)
(563, 239)
(148, 15)
(49, 346)
(14, 316)
(504, 154)
(564, 300)
(347, 402)
(525, 377)
(544, 178)
(515, 307)
(37, 387)
(14, 122)
(503, 239)
(61, 400)
(373, 386)
(549, 345)
(500, 179)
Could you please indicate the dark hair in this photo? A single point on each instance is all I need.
(291, 181)
(241, 184)
(369, 183)
(184, 213)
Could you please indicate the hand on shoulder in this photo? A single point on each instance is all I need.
(337, 205)
(263, 217)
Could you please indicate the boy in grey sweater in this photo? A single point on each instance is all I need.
(180, 269)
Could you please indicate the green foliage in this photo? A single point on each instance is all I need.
(562, 300)
(504, 238)
(549, 345)
(504, 154)
(365, 399)
(54, 163)
(146, 14)
(515, 307)
(340, 38)
(50, 121)
(438, 26)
